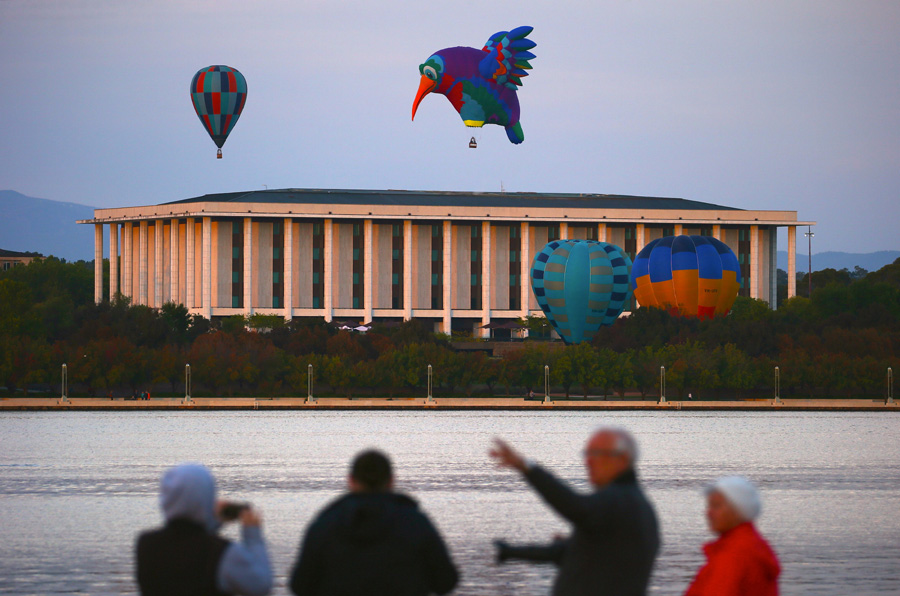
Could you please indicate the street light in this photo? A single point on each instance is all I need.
(809, 235)
(890, 386)
(309, 383)
(187, 383)
(546, 383)
(65, 384)
(662, 384)
(777, 385)
(429, 383)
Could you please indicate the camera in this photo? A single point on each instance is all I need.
(231, 511)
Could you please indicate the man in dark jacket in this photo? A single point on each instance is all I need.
(615, 537)
(372, 542)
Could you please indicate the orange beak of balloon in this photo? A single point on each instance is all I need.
(426, 86)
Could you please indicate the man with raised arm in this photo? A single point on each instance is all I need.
(615, 535)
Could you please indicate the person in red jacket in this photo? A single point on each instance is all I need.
(739, 562)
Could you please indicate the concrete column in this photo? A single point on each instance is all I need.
(288, 268)
(486, 256)
(564, 231)
(792, 261)
(206, 268)
(190, 270)
(601, 232)
(113, 261)
(368, 260)
(447, 272)
(158, 267)
(329, 270)
(407, 269)
(754, 261)
(525, 268)
(773, 268)
(98, 263)
(127, 260)
(248, 266)
(717, 232)
(639, 238)
(679, 229)
(174, 254)
(143, 264)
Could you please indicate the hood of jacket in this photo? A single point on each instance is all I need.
(188, 491)
(364, 518)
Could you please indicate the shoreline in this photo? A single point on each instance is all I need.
(440, 403)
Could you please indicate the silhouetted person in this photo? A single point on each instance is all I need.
(615, 536)
(372, 542)
(739, 562)
(186, 557)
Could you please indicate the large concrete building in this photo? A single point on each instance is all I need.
(458, 259)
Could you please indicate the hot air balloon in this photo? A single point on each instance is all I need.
(219, 94)
(694, 276)
(580, 285)
(481, 84)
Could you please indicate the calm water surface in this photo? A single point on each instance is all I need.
(76, 488)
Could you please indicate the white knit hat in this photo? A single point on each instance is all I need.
(742, 495)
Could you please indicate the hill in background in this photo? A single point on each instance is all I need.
(872, 261)
(28, 224)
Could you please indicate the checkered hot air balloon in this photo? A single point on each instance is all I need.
(694, 276)
(218, 94)
(580, 285)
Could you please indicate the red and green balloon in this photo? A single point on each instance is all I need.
(218, 94)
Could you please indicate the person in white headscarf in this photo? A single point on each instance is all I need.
(739, 562)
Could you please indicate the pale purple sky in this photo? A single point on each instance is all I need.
(759, 105)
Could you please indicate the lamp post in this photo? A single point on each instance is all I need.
(64, 391)
(890, 386)
(662, 384)
(809, 235)
(187, 383)
(546, 383)
(777, 386)
(309, 383)
(429, 383)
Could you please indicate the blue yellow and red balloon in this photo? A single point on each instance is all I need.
(694, 276)
(481, 84)
(218, 94)
(581, 285)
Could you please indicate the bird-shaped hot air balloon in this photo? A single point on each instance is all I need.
(219, 94)
(580, 285)
(481, 84)
(694, 276)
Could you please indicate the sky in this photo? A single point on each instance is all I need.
(787, 105)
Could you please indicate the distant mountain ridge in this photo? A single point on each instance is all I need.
(871, 261)
(45, 226)
(29, 224)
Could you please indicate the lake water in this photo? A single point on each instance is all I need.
(77, 487)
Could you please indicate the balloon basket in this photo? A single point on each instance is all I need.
(219, 154)
(473, 144)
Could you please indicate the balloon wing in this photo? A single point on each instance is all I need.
(508, 56)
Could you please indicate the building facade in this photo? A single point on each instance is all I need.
(457, 259)
(11, 258)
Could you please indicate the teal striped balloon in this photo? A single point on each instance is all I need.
(581, 285)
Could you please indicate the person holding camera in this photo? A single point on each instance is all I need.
(186, 557)
(372, 542)
(615, 534)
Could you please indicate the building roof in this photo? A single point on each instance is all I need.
(452, 199)
(15, 254)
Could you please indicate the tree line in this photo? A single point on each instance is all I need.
(837, 343)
